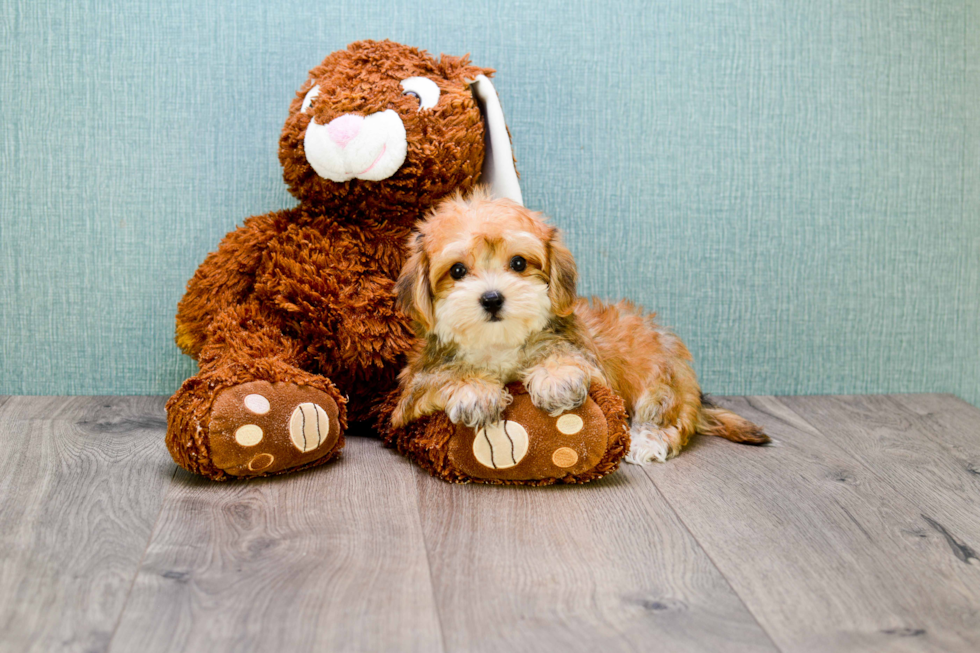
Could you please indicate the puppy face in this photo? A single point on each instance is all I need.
(486, 273)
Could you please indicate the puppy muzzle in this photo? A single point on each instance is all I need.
(492, 302)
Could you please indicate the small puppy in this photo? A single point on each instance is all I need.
(492, 290)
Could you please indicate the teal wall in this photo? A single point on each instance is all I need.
(794, 186)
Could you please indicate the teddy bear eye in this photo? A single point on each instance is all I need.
(518, 264)
(309, 97)
(458, 271)
(422, 88)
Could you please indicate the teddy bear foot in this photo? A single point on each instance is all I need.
(260, 428)
(527, 447)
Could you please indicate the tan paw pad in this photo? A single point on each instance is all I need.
(260, 462)
(569, 424)
(248, 435)
(308, 426)
(257, 404)
(564, 457)
(500, 445)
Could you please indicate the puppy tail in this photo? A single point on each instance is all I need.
(726, 424)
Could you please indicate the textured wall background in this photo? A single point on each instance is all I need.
(793, 186)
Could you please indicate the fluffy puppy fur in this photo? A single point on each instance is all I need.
(491, 288)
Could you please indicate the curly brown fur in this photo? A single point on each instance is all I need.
(535, 331)
(306, 295)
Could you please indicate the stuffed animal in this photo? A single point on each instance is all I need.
(526, 447)
(292, 319)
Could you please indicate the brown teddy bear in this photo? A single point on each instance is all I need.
(292, 320)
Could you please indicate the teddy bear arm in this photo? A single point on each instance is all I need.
(225, 279)
(367, 330)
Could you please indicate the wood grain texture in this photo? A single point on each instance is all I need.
(84, 480)
(950, 422)
(601, 567)
(892, 442)
(853, 532)
(327, 559)
(825, 554)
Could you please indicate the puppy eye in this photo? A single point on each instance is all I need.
(518, 264)
(458, 271)
(422, 88)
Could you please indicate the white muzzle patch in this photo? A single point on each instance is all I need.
(374, 153)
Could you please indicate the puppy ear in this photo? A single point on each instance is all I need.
(499, 170)
(413, 295)
(562, 276)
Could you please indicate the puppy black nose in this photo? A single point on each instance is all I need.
(491, 301)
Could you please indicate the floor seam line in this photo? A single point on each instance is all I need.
(707, 554)
(139, 567)
(428, 560)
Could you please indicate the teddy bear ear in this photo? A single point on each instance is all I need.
(499, 172)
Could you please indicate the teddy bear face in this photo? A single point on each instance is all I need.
(383, 127)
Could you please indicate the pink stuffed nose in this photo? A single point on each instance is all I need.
(342, 130)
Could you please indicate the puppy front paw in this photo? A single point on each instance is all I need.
(477, 404)
(556, 389)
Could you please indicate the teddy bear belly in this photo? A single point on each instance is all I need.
(347, 327)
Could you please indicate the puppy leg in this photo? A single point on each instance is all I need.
(476, 402)
(652, 444)
(559, 383)
(469, 400)
(421, 394)
(664, 419)
(652, 441)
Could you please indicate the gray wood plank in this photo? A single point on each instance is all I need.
(948, 421)
(601, 567)
(83, 482)
(327, 559)
(825, 554)
(109, 414)
(51, 407)
(893, 443)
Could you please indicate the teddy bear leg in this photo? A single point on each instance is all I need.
(251, 411)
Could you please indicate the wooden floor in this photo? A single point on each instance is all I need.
(857, 530)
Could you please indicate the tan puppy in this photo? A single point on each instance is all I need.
(492, 290)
